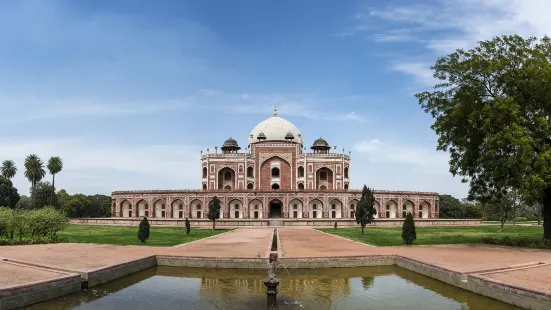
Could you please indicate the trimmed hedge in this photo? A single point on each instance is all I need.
(31, 226)
(518, 242)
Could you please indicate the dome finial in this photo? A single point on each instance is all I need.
(275, 111)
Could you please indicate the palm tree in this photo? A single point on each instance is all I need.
(8, 171)
(55, 164)
(34, 172)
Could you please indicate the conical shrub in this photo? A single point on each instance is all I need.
(408, 229)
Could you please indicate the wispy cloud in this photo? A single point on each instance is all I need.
(443, 26)
(100, 168)
(428, 159)
(296, 105)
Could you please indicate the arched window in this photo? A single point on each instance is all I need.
(227, 175)
(295, 206)
(227, 187)
(300, 186)
(345, 185)
(346, 172)
(204, 187)
(204, 172)
(236, 206)
(323, 175)
(323, 187)
(314, 206)
(250, 172)
(300, 172)
(275, 186)
(275, 172)
(250, 186)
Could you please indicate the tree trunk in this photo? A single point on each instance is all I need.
(53, 191)
(213, 225)
(9, 196)
(547, 213)
(502, 222)
(363, 226)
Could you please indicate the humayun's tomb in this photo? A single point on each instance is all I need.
(275, 178)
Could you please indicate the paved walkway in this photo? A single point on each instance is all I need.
(294, 242)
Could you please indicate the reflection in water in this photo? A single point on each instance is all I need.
(388, 287)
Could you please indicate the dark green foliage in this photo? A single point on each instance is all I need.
(24, 203)
(188, 226)
(408, 229)
(492, 106)
(143, 230)
(8, 194)
(365, 210)
(42, 195)
(214, 211)
(77, 206)
(452, 208)
(520, 241)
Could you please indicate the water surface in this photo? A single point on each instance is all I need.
(387, 287)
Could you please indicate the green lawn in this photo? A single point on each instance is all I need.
(390, 236)
(122, 235)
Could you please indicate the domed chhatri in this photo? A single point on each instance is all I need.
(321, 146)
(289, 136)
(275, 128)
(230, 146)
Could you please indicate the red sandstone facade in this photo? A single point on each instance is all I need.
(274, 178)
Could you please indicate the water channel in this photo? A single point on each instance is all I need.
(387, 287)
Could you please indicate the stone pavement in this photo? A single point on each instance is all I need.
(534, 272)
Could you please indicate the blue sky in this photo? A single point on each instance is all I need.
(129, 92)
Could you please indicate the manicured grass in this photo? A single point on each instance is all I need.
(391, 236)
(123, 235)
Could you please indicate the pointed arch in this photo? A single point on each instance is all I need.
(196, 209)
(255, 209)
(142, 208)
(236, 208)
(335, 208)
(178, 209)
(408, 207)
(391, 208)
(352, 204)
(295, 208)
(126, 208)
(315, 208)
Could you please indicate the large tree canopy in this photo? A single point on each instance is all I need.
(492, 110)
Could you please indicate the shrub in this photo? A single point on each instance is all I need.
(520, 219)
(408, 229)
(188, 226)
(143, 230)
(521, 241)
(30, 226)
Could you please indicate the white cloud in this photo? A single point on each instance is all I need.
(101, 168)
(419, 70)
(444, 26)
(430, 160)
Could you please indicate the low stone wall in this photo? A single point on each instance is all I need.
(337, 262)
(233, 223)
(204, 262)
(23, 295)
(106, 274)
(507, 293)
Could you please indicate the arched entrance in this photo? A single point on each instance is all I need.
(275, 209)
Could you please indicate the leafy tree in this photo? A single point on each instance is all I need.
(143, 230)
(100, 207)
(34, 172)
(188, 226)
(42, 195)
(473, 211)
(502, 207)
(24, 203)
(55, 165)
(492, 110)
(8, 171)
(77, 206)
(8, 194)
(408, 229)
(365, 210)
(62, 198)
(214, 211)
(450, 207)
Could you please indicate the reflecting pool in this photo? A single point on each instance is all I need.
(387, 287)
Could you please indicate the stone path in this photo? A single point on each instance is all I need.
(294, 243)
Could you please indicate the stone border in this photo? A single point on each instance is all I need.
(473, 281)
(209, 262)
(347, 239)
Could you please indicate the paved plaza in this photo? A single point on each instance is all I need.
(529, 269)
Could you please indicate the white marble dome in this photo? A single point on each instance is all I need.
(275, 129)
